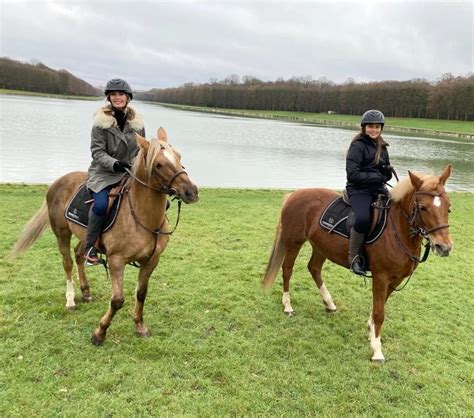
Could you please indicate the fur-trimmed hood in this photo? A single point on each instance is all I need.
(104, 118)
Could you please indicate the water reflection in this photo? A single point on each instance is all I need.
(42, 139)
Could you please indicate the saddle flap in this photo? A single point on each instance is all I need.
(77, 210)
(336, 218)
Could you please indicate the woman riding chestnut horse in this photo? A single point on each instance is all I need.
(419, 209)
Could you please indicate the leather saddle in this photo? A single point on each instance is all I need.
(338, 217)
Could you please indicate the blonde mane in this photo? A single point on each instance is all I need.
(405, 186)
(146, 158)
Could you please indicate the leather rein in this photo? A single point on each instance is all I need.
(168, 190)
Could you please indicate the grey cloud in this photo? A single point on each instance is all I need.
(163, 44)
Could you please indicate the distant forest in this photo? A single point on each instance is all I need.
(448, 98)
(37, 77)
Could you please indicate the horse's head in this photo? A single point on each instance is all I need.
(159, 165)
(431, 205)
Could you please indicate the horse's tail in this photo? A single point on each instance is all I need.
(31, 232)
(276, 259)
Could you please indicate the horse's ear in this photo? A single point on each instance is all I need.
(415, 180)
(142, 142)
(161, 134)
(445, 174)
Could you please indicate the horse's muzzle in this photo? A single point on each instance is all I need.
(189, 195)
(442, 250)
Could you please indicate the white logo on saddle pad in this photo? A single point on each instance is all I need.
(437, 201)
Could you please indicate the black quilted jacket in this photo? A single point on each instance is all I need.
(363, 174)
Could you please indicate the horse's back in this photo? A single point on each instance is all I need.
(308, 200)
(302, 207)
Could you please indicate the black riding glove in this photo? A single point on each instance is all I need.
(386, 171)
(120, 166)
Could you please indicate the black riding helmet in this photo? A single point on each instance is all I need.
(117, 84)
(372, 116)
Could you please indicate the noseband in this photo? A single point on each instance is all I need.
(415, 217)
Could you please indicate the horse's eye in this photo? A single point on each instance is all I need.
(422, 208)
(449, 210)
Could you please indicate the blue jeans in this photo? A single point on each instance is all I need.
(101, 201)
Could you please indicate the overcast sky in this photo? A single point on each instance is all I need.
(166, 44)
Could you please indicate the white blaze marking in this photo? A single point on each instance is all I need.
(437, 201)
(170, 156)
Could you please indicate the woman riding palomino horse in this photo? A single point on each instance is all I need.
(139, 234)
(368, 169)
(113, 148)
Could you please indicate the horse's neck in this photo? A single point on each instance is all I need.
(149, 205)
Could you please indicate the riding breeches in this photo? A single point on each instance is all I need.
(360, 203)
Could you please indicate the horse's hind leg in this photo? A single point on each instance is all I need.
(64, 245)
(142, 289)
(314, 266)
(290, 256)
(81, 272)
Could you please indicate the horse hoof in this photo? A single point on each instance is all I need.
(87, 299)
(377, 360)
(71, 308)
(330, 310)
(96, 340)
(290, 313)
(143, 334)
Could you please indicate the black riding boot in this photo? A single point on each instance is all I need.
(356, 262)
(94, 229)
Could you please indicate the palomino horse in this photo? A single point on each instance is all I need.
(140, 233)
(419, 209)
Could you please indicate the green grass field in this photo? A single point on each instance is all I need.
(219, 346)
(426, 126)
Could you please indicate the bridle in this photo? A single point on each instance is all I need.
(166, 189)
(415, 221)
(417, 228)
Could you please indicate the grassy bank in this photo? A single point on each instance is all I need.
(431, 127)
(221, 347)
(51, 95)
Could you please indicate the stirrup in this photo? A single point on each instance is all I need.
(357, 266)
(91, 258)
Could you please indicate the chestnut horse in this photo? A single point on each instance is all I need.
(140, 233)
(419, 209)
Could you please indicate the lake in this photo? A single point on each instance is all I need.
(41, 139)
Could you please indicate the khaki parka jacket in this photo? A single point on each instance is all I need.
(109, 144)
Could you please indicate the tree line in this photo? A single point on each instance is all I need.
(448, 98)
(37, 77)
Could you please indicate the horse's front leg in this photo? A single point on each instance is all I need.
(117, 268)
(142, 289)
(379, 295)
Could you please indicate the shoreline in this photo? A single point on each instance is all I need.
(318, 122)
(7, 92)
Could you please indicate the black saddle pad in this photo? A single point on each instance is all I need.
(334, 219)
(77, 210)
